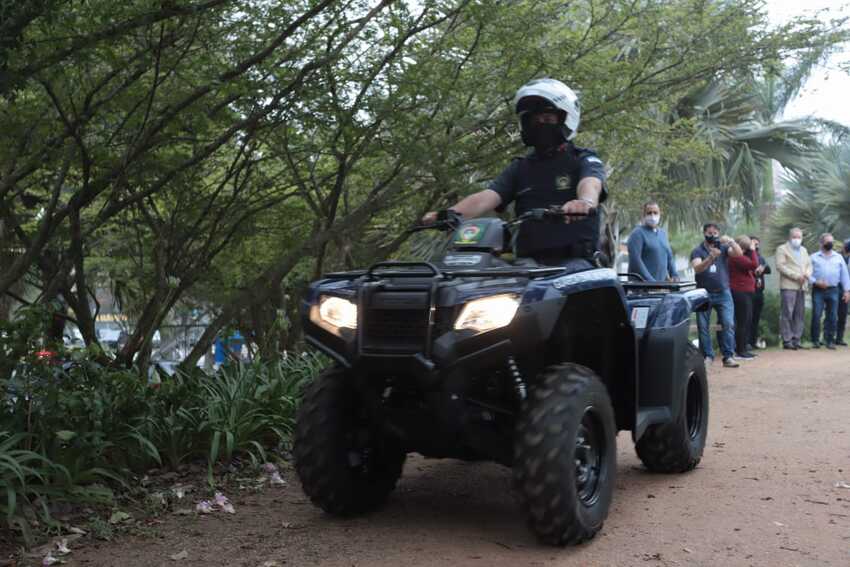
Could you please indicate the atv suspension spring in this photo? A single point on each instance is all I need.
(519, 383)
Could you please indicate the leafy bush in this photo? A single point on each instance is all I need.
(88, 425)
(29, 481)
(769, 323)
(240, 410)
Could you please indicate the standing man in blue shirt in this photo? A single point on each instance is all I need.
(829, 271)
(842, 307)
(650, 255)
(709, 263)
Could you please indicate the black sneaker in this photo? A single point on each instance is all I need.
(815, 345)
(830, 346)
(744, 356)
(789, 346)
(840, 343)
(730, 363)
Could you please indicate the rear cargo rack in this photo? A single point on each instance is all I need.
(639, 284)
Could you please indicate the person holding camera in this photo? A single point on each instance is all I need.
(712, 274)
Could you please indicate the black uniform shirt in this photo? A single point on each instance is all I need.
(543, 181)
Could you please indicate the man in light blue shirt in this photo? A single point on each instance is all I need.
(650, 255)
(829, 271)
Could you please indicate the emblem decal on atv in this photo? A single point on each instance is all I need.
(470, 233)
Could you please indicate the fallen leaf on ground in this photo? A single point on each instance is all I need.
(62, 547)
(179, 491)
(841, 484)
(204, 507)
(224, 503)
(118, 517)
(179, 556)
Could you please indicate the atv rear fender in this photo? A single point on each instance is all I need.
(662, 345)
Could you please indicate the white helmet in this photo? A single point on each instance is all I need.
(558, 95)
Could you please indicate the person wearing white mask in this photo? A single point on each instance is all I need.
(650, 255)
(795, 269)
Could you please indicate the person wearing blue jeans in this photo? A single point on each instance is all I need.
(828, 275)
(824, 300)
(712, 274)
(721, 302)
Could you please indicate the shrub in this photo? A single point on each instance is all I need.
(90, 424)
(769, 323)
(30, 481)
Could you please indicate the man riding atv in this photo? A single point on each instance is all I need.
(508, 346)
(554, 173)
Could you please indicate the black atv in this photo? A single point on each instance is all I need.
(476, 357)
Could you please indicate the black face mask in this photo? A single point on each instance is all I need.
(544, 137)
(828, 246)
(712, 239)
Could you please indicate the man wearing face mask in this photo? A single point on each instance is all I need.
(712, 274)
(842, 306)
(829, 272)
(795, 268)
(650, 255)
(554, 173)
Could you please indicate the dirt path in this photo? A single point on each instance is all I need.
(765, 494)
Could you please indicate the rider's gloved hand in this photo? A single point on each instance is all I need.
(430, 217)
(576, 207)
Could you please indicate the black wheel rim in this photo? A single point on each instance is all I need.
(589, 457)
(359, 452)
(693, 407)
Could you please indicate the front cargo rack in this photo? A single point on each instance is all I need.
(427, 270)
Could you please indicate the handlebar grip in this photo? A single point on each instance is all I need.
(558, 212)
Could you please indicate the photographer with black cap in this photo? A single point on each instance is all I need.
(712, 274)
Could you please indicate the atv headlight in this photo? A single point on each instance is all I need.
(334, 313)
(488, 313)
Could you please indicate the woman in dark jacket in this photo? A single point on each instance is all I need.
(742, 282)
(758, 298)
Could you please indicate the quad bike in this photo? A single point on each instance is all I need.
(477, 356)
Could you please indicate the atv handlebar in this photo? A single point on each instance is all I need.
(447, 219)
(554, 213)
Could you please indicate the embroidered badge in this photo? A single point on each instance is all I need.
(562, 183)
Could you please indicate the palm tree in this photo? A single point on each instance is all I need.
(740, 120)
(737, 124)
(817, 198)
